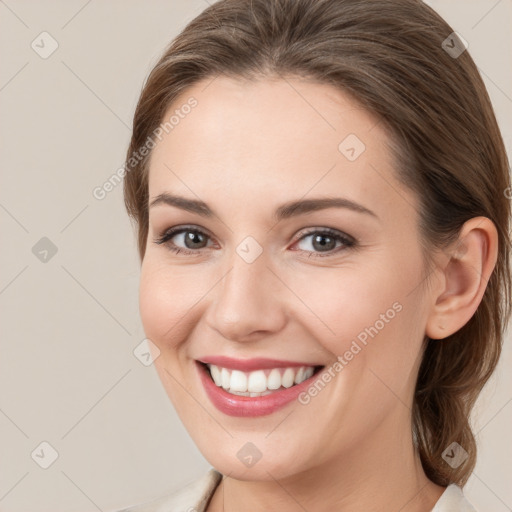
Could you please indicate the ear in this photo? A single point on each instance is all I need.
(465, 270)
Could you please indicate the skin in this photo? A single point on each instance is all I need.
(245, 149)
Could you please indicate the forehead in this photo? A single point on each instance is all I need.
(272, 140)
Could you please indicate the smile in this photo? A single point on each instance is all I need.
(254, 387)
(259, 382)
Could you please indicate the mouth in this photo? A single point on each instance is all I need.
(260, 382)
(254, 387)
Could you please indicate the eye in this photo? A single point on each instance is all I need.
(191, 238)
(326, 240)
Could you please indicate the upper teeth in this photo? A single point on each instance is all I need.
(259, 382)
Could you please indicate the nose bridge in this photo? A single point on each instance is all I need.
(247, 299)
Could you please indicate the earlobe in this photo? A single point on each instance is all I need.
(466, 271)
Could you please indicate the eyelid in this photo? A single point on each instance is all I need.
(325, 230)
(347, 240)
(177, 230)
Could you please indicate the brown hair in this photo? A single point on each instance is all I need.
(390, 56)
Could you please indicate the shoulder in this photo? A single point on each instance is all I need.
(192, 497)
(453, 500)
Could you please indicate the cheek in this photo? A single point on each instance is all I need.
(167, 297)
(350, 305)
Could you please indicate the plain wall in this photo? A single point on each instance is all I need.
(69, 320)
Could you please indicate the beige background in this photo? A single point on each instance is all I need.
(68, 375)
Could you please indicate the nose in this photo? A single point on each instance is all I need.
(248, 302)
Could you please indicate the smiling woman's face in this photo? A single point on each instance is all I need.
(306, 287)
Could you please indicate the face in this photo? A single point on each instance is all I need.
(238, 276)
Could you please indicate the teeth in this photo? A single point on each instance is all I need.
(300, 375)
(288, 378)
(238, 381)
(225, 378)
(274, 379)
(216, 376)
(259, 382)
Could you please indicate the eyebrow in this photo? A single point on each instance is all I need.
(285, 211)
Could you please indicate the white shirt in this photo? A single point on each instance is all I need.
(195, 497)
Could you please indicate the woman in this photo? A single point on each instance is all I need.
(320, 192)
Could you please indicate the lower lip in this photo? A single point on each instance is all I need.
(247, 406)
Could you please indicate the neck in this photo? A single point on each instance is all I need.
(379, 474)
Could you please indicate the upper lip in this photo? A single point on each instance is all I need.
(247, 365)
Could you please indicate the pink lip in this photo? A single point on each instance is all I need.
(246, 406)
(248, 365)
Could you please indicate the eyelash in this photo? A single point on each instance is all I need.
(347, 241)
